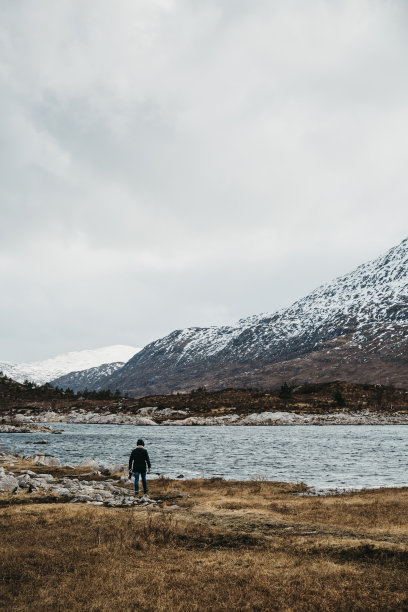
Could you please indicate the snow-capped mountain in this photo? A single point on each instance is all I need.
(354, 328)
(92, 378)
(41, 372)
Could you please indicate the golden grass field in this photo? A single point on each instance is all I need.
(229, 546)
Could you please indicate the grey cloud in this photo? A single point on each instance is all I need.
(171, 163)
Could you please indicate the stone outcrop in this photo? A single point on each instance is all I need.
(8, 483)
(108, 492)
(47, 460)
(26, 428)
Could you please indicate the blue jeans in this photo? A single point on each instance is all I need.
(143, 477)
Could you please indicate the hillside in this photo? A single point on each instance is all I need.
(92, 378)
(323, 398)
(354, 329)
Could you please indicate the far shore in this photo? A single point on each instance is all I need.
(34, 421)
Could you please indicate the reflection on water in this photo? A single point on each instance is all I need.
(325, 457)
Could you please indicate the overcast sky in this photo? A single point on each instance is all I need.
(172, 163)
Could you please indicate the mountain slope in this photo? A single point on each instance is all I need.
(41, 372)
(92, 378)
(354, 328)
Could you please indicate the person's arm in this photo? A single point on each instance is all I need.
(148, 460)
(130, 461)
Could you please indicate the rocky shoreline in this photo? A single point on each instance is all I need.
(153, 416)
(28, 428)
(88, 483)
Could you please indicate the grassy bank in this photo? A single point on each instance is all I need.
(226, 546)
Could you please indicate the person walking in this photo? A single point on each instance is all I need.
(139, 458)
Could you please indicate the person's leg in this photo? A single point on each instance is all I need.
(144, 482)
(137, 482)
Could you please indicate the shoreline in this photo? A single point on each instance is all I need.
(153, 416)
(18, 464)
(217, 544)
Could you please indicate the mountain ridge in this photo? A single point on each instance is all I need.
(354, 326)
(41, 372)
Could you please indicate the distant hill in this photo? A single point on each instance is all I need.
(92, 378)
(353, 329)
(41, 372)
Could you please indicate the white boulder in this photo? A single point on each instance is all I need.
(8, 483)
(47, 460)
(89, 463)
(24, 481)
(61, 491)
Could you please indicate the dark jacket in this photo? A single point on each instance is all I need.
(138, 459)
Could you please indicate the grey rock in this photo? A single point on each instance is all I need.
(8, 483)
(83, 498)
(89, 463)
(47, 460)
(68, 484)
(24, 481)
(46, 477)
(106, 494)
(61, 491)
(112, 468)
(40, 483)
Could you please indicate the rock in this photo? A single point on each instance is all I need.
(61, 491)
(46, 477)
(2, 472)
(180, 476)
(113, 468)
(83, 498)
(8, 483)
(69, 484)
(24, 481)
(47, 460)
(39, 483)
(41, 442)
(106, 495)
(89, 463)
(69, 465)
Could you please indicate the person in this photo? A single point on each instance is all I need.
(139, 458)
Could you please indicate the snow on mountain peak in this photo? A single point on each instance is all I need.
(368, 294)
(41, 372)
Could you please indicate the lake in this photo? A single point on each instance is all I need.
(342, 456)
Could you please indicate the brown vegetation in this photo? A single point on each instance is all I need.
(306, 398)
(228, 546)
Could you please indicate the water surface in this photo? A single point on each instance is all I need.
(341, 456)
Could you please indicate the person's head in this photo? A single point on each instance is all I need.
(140, 443)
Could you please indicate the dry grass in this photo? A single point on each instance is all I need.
(230, 546)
